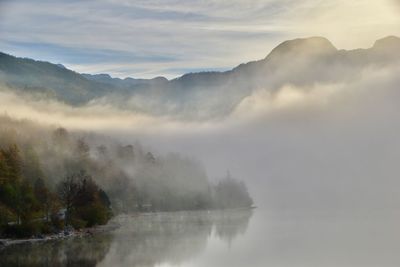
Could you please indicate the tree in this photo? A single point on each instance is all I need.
(31, 167)
(3, 169)
(67, 192)
(92, 204)
(85, 203)
(12, 159)
(5, 215)
(102, 151)
(61, 136)
(26, 202)
(44, 197)
(231, 193)
(15, 193)
(150, 157)
(82, 148)
(126, 152)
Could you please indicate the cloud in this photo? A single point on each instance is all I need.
(335, 142)
(193, 34)
(76, 55)
(321, 138)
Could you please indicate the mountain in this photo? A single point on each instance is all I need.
(49, 79)
(300, 62)
(127, 82)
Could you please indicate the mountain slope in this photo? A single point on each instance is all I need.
(300, 62)
(50, 79)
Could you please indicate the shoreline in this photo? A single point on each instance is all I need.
(88, 232)
(84, 232)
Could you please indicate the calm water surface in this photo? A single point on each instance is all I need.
(222, 239)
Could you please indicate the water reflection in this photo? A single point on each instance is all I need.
(83, 252)
(229, 225)
(171, 238)
(144, 240)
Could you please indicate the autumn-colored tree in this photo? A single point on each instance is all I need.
(12, 160)
(45, 198)
(84, 201)
(67, 192)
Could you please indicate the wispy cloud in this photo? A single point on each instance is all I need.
(305, 140)
(150, 38)
(77, 55)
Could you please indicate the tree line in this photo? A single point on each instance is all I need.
(29, 207)
(52, 178)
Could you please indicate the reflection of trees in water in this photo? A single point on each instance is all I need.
(163, 237)
(82, 252)
(172, 237)
(145, 240)
(228, 225)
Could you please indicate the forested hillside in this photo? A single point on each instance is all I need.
(51, 178)
(203, 95)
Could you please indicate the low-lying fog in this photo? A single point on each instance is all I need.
(320, 157)
(328, 146)
(318, 137)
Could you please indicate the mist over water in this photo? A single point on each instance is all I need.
(168, 239)
(319, 137)
(317, 144)
(334, 151)
(235, 238)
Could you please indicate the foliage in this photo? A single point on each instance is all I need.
(231, 193)
(28, 207)
(86, 204)
(55, 178)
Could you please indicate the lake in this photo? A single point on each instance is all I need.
(222, 239)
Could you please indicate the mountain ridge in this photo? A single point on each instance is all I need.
(299, 62)
(391, 39)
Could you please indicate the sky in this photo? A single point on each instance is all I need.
(148, 38)
(327, 138)
(331, 145)
(319, 137)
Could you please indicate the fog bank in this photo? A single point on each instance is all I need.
(310, 143)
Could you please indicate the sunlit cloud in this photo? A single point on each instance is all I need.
(329, 133)
(152, 38)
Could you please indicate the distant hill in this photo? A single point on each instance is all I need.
(52, 80)
(127, 83)
(299, 62)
